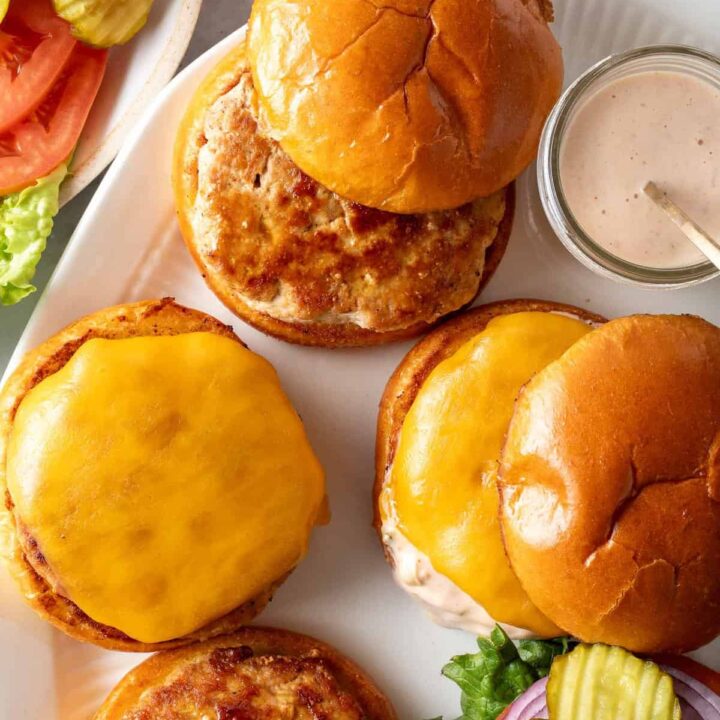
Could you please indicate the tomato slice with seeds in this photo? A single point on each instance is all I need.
(35, 47)
(36, 146)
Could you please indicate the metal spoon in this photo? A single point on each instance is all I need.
(706, 244)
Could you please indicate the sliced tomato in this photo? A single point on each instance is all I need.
(36, 146)
(700, 672)
(35, 47)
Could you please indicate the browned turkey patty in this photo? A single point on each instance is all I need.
(254, 674)
(275, 244)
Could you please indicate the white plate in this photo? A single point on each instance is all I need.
(127, 247)
(135, 74)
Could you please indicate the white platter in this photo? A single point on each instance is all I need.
(135, 74)
(127, 247)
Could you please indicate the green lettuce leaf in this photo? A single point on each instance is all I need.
(26, 221)
(501, 671)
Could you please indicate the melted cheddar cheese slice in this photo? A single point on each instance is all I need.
(166, 480)
(442, 484)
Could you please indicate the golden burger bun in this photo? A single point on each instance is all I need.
(301, 263)
(40, 586)
(610, 485)
(440, 431)
(255, 672)
(408, 106)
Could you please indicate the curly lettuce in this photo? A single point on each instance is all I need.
(501, 671)
(26, 221)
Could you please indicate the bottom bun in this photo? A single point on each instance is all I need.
(151, 318)
(467, 583)
(440, 344)
(255, 672)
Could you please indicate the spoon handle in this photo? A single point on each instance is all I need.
(692, 231)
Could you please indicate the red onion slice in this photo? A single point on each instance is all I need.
(531, 704)
(697, 701)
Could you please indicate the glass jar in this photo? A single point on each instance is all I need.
(674, 58)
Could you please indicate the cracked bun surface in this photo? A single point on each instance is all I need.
(253, 673)
(610, 485)
(301, 263)
(407, 105)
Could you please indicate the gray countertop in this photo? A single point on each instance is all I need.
(217, 19)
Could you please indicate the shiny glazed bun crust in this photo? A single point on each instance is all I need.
(410, 105)
(255, 672)
(443, 342)
(150, 318)
(610, 485)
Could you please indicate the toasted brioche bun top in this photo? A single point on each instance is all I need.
(610, 485)
(410, 105)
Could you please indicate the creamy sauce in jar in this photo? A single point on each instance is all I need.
(662, 126)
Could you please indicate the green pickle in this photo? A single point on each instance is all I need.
(104, 23)
(609, 683)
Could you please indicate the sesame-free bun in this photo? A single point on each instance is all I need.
(33, 576)
(254, 672)
(610, 485)
(407, 105)
(443, 342)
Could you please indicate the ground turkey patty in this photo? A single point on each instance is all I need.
(291, 249)
(230, 684)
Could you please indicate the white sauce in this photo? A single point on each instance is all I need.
(442, 599)
(660, 126)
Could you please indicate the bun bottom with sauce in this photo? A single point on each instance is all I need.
(416, 366)
(251, 673)
(413, 495)
(150, 318)
(301, 263)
